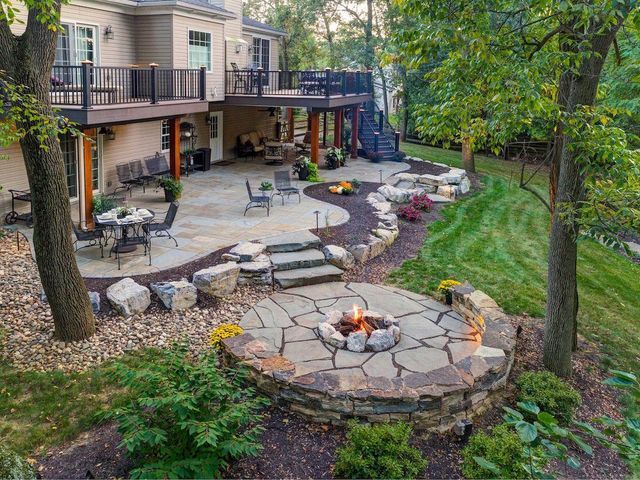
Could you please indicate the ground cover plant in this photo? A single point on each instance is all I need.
(550, 393)
(503, 230)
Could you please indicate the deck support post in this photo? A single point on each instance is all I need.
(315, 136)
(324, 129)
(355, 120)
(292, 125)
(87, 179)
(174, 147)
(338, 116)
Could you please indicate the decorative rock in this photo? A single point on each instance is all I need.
(247, 251)
(360, 252)
(390, 320)
(333, 317)
(325, 330)
(339, 257)
(448, 191)
(128, 298)
(375, 197)
(337, 340)
(94, 298)
(395, 331)
(465, 185)
(176, 295)
(387, 236)
(394, 194)
(452, 178)
(356, 341)
(382, 207)
(219, 280)
(257, 272)
(438, 198)
(390, 218)
(428, 179)
(408, 177)
(229, 257)
(377, 246)
(380, 340)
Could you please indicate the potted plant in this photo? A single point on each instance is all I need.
(334, 158)
(446, 289)
(172, 188)
(265, 186)
(103, 203)
(301, 168)
(122, 212)
(356, 184)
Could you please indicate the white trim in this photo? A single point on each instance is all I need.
(189, 30)
(270, 47)
(72, 40)
(161, 124)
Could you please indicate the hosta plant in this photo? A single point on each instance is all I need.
(188, 417)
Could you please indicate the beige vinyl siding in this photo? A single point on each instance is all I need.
(274, 49)
(181, 26)
(239, 120)
(233, 29)
(13, 175)
(153, 41)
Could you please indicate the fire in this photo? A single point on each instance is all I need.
(359, 319)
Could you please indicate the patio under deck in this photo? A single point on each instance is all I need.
(210, 215)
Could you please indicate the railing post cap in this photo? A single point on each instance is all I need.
(133, 66)
(153, 65)
(344, 69)
(86, 62)
(260, 69)
(203, 67)
(327, 69)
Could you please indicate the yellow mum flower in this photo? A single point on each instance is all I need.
(446, 285)
(225, 330)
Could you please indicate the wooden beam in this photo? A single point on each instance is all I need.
(314, 120)
(88, 176)
(292, 125)
(355, 119)
(338, 116)
(324, 129)
(174, 147)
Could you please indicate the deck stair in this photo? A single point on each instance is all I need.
(370, 123)
(298, 260)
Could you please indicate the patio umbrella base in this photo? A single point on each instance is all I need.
(125, 248)
(274, 163)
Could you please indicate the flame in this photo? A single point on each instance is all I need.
(357, 317)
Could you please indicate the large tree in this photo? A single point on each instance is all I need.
(539, 65)
(26, 60)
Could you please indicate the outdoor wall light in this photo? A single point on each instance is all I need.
(240, 47)
(108, 32)
(108, 132)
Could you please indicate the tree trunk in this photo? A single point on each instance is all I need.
(28, 60)
(561, 318)
(405, 105)
(385, 95)
(468, 158)
(368, 37)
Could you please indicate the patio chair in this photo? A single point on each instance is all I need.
(283, 186)
(239, 79)
(261, 201)
(161, 229)
(126, 179)
(139, 236)
(137, 172)
(93, 237)
(157, 165)
(305, 145)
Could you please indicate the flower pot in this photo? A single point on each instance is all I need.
(169, 196)
(303, 174)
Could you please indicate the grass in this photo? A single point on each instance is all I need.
(498, 240)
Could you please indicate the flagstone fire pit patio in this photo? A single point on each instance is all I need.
(445, 363)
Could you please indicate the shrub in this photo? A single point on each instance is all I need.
(399, 156)
(314, 174)
(375, 157)
(549, 393)
(187, 419)
(103, 203)
(378, 451)
(502, 447)
(13, 466)
(172, 185)
(421, 201)
(409, 212)
(225, 330)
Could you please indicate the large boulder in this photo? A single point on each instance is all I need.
(386, 235)
(393, 194)
(128, 298)
(247, 251)
(377, 246)
(219, 280)
(176, 296)
(465, 185)
(407, 177)
(339, 257)
(375, 197)
(448, 191)
(257, 272)
(435, 180)
(453, 177)
(360, 252)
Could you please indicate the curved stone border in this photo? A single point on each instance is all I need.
(290, 363)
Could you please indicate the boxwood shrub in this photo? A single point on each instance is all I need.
(550, 393)
(13, 466)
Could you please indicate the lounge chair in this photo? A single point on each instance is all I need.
(283, 186)
(161, 229)
(261, 201)
(137, 172)
(126, 179)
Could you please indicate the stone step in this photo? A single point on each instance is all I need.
(300, 259)
(291, 242)
(307, 276)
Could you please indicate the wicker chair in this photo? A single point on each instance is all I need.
(283, 186)
(255, 201)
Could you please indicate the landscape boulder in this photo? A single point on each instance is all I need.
(360, 252)
(435, 180)
(219, 280)
(447, 191)
(247, 251)
(377, 246)
(176, 296)
(339, 257)
(393, 194)
(465, 185)
(128, 298)
(257, 272)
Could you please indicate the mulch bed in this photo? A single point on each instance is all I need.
(295, 448)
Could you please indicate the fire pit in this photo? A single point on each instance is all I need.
(359, 331)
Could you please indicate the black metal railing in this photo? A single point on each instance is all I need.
(86, 85)
(306, 83)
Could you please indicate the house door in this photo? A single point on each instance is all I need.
(215, 135)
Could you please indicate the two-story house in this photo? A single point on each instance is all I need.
(133, 73)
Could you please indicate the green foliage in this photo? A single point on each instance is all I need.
(103, 203)
(187, 418)
(314, 173)
(498, 453)
(172, 185)
(265, 186)
(550, 393)
(13, 466)
(378, 451)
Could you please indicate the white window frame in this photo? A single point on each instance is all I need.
(73, 40)
(167, 135)
(253, 37)
(210, 66)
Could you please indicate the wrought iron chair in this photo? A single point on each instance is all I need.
(139, 236)
(93, 237)
(161, 229)
(305, 145)
(157, 165)
(126, 179)
(239, 79)
(283, 186)
(255, 201)
(137, 172)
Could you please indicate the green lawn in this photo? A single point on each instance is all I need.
(497, 239)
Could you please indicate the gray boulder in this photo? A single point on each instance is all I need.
(176, 296)
(360, 252)
(256, 272)
(377, 246)
(356, 341)
(128, 298)
(337, 340)
(465, 185)
(380, 340)
(247, 251)
(375, 197)
(393, 194)
(339, 257)
(219, 280)
(435, 180)
(325, 330)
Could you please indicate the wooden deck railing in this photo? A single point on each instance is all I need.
(306, 83)
(86, 85)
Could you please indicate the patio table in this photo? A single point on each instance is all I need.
(120, 227)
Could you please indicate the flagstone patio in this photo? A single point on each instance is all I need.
(211, 215)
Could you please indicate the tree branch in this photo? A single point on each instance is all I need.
(526, 187)
(546, 38)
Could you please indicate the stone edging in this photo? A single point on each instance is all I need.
(434, 400)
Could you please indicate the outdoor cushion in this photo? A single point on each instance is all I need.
(255, 139)
(244, 138)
